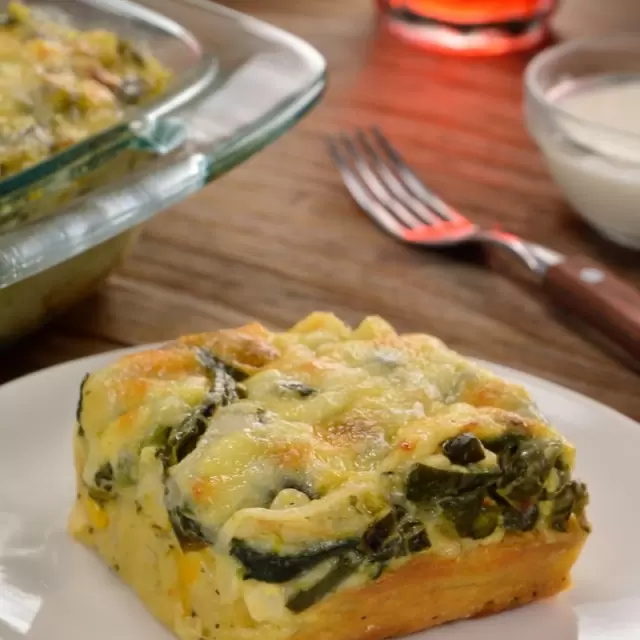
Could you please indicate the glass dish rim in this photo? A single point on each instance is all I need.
(242, 143)
(183, 90)
(556, 53)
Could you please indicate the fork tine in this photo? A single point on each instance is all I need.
(360, 194)
(395, 186)
(375, 185)
(413, 183)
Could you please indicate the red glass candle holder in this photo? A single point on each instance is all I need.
(481, 27)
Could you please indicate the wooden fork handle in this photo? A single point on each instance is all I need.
(600, 298)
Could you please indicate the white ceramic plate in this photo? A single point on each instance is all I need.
(54, 589)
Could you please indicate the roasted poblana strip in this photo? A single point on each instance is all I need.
(321, 482)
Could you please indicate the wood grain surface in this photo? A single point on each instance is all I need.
(279, 236)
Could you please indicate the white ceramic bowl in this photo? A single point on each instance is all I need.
(597, 167)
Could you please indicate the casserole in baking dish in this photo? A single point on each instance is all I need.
(172, 147)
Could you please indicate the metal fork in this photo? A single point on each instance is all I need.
(397, 200)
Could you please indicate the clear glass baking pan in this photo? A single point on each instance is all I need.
(241, 83)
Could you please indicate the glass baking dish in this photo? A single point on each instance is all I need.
(245, 83)
(43, 188)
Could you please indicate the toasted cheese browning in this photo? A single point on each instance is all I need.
(241, 478)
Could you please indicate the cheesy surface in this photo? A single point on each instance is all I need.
(237, 479)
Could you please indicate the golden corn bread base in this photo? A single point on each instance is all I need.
(134, 537)
(425, 592)
(429, 590)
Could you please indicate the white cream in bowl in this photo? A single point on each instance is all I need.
(593, 151)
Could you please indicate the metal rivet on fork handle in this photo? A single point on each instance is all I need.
(592, 276)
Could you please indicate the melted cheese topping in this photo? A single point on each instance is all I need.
(332, 420)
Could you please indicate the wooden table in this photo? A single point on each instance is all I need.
(280, 237)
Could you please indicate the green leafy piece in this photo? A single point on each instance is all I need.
(299, 388)
(499, 443)
(470, 515)
(267, 566)
(182, 440)
(485, 522)
(103, 483)
(376, 535)
(427, 484)
(157, 438)
(463, 449)
(526, 465)
(213, 364)
(523, 519)
(375, 569)
(108, 478)
(580, 504)
(573, 499)
(564, 478)
(462, 510)
(400, 511)
(306, 598)
(225, 389)
(392, 547)
(414, 535)
(562, 508)
(564, 473)
(188, 530)
(79, 406)
(393, 536)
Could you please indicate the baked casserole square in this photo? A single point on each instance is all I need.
(323, 482)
